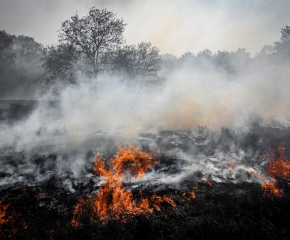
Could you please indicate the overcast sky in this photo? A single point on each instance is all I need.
(173, 26)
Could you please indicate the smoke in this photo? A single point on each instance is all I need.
(61, 139)
(189, 98)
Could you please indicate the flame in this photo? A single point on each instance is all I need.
(269, 186)
(271, 189)
(189, 194)
(208, 180)
(114, 201)
(279, 166)
(278, 169)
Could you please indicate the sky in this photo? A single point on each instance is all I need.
(173, 26)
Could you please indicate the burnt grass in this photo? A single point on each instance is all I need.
(223, 211)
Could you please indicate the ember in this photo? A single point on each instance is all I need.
(3, 214)
(9, 224)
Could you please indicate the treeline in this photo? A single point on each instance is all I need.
(94, 44)
(20, 65)
(232, 63)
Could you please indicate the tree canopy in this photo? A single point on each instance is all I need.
(6, 52)
(138, 62)
(94, 44)
(283, 47)
(91, 36)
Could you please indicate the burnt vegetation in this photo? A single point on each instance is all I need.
(46, 209)
(223, 210)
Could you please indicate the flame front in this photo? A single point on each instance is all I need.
(114, 200)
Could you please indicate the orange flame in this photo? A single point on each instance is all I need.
(278, 168)
(208, 180)
(271, 189)
(189, 194)
(114, 200)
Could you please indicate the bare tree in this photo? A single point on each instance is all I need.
(91, 36)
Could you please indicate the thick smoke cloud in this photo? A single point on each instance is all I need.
(190, 97)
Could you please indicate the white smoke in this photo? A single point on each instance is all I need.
(190, 97)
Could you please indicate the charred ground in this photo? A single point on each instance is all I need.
(41, 206)
(224, 210)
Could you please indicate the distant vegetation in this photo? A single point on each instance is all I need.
(20, 65)
(94, 44)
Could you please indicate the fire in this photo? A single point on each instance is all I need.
(114, 201)
(9, 224)
(279, 166)
(278, 169)
(4, 218)
(189, 194)
(208, 181)
(271, 189)
(80, 209)
(269, 186)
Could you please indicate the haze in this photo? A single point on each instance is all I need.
(173, 26)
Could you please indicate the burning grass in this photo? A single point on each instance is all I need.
(230, 211)
(271, 189)
(278, 169)
(114, 201)
(279, 166)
